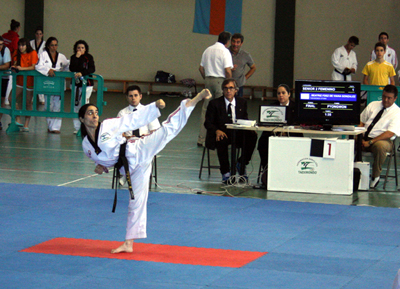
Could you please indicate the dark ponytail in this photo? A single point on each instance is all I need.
(14, 25)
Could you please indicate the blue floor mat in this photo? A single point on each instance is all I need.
(309, 245)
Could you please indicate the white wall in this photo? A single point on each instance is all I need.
(322, 26)
(133, 39)
(14, 9)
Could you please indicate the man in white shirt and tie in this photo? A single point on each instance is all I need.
(382, 122)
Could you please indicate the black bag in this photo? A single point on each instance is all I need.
(356, 179)
(164, 77)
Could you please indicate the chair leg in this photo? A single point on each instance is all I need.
(208, 160)
(201, 164)
(387, 170)
(151, 178)
(395, 166)
(155, 170)
(259, 174)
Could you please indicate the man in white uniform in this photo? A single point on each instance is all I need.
(344, 60)
(382, 122)
(216, 65)
(390, 55)
(47, 66)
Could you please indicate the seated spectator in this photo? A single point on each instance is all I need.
(382, 122)
(134, 96)
(221, 111)
(379, 71)
(284, 100)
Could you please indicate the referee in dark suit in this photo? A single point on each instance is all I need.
(221, 111)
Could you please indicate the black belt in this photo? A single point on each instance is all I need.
(344, 73)
(122, 162)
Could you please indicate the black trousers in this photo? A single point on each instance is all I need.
(250, 141)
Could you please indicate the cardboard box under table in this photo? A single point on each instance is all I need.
(293, 167)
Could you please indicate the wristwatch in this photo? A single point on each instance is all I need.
(370, 142)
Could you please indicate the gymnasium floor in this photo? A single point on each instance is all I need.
(57, 226)
(41, 158)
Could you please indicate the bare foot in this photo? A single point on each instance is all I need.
(204, 94)
(160, 104)
(125, 247)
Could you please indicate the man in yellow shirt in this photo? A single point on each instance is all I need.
(379, 71)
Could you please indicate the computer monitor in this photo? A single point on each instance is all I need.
(327, 103)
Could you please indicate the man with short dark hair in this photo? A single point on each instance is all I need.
(225, 110)
(390, 55)
(382, 122)
(344, 60)
(241, 59)
(134, 96)
(216, 64)
(379, 71)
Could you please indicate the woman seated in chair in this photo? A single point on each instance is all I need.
(283, 95)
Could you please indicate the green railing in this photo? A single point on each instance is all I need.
(49, 86)
(375, 93)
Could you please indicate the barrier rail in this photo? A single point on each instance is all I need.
(375, 93)
(49, 86)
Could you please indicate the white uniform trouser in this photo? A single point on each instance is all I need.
(89, 89)
(9, 88)
(41, 97)
(54, 123)
(140, 152)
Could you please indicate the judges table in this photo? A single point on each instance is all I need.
(286, 153)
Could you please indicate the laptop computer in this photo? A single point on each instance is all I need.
(272, 115)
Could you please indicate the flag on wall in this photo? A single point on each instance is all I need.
(216, 16)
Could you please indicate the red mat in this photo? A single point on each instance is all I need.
(147, 252)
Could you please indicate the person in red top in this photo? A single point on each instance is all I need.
(11, 37)
(25, 58)
(11, 42)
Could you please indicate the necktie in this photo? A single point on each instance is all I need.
(376, 119)
(136, 131)
(230, 112)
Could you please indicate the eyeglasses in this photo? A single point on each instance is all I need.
(229, 88)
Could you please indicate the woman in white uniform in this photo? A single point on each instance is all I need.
(39, 44)
(102, 143)
(49, 62)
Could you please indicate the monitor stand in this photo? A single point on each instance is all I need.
(327, 127)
